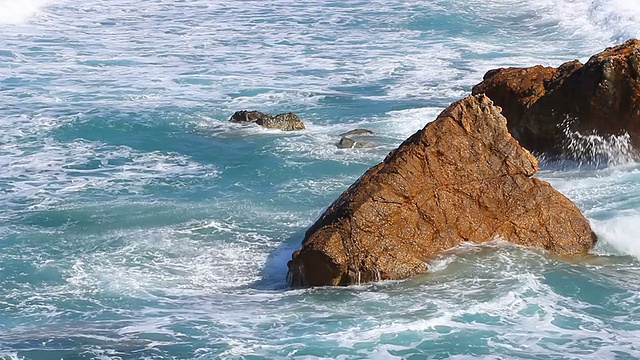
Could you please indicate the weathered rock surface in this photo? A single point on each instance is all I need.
(285, 121)
(542, 103)
(461, 178)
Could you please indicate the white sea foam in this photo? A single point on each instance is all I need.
(610, 198)
(403, 123)
(519, 300)
(51, 171)
(276, 100)
(619, 17)
(319, 141)
(318, 186)
(235, 249)
(603, 21)
(10, 356)
(620, 233)
(19, 11)
(599, 193)
(58, 170)
(186, 269)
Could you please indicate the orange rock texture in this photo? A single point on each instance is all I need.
(461, 178)
(600, 97)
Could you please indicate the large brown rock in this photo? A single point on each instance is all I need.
(285, 121)
(544, 104)
(461, 178)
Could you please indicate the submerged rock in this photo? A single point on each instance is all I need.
(357, 132)
(543, 105)
(348, 143)
(285, 121)
(356, 138)
(461, 178)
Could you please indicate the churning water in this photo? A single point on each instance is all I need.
(136, 222)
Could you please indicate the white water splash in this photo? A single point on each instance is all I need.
(19, 11)
(620, 233)
(596, 149)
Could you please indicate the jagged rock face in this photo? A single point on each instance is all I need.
(285, 122)
(461, 178)
(601, 96)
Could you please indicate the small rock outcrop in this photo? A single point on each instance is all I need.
(543, 104)
(357, 132)
(285, 121)
(348, 143)
(356, 138)
(461, 178)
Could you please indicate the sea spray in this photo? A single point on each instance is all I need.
(594, 149)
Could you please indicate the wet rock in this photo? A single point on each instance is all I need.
(348, 143)
(543, 105)
(285, 121)
(461, 178)
(356, 138)
(357, 132)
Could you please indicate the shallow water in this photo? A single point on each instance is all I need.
(138, 223)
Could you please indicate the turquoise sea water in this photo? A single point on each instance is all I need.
(137, 223)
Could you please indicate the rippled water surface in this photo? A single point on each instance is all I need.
(137, 223)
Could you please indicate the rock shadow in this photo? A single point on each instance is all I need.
(273, 275)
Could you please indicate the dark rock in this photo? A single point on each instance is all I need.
(357, 132)
(348, 143)
(248, 116)
(285, 122)
(542, 105)
(357, 138)
(461, 178)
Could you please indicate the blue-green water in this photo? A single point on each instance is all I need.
(137, 223)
